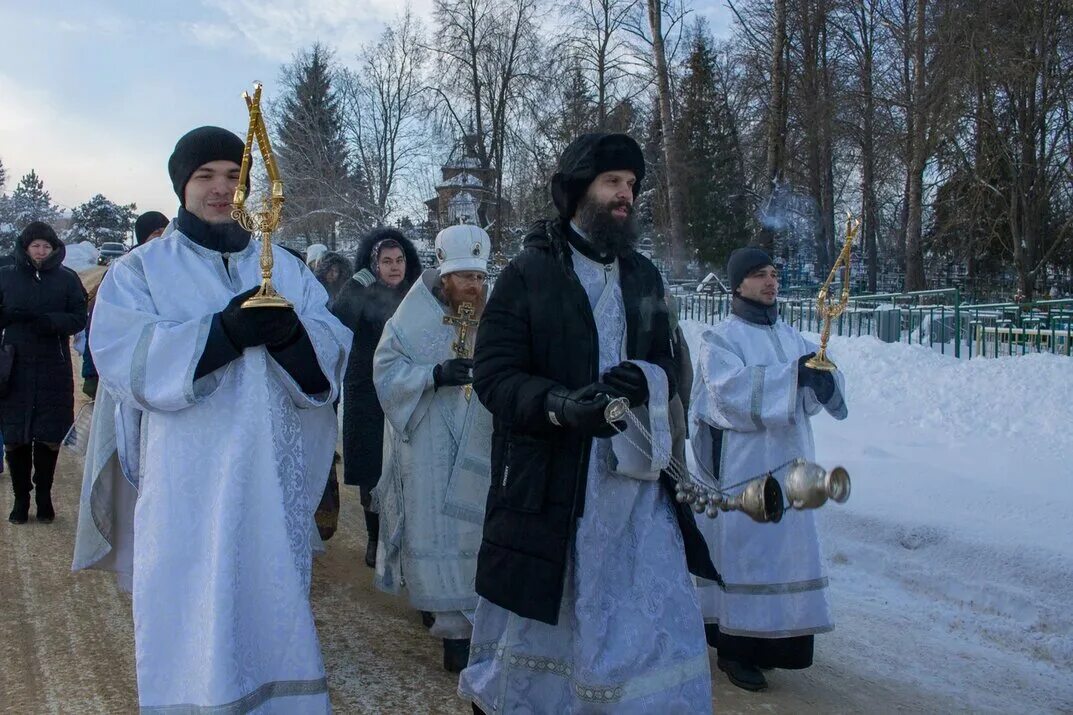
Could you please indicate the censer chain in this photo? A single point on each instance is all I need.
(679, 472)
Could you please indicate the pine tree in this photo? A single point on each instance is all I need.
(100, 220)
(323, 187)
(28, 202)
(714, 181)
(3, 177)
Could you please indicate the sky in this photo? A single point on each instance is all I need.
(94, 93)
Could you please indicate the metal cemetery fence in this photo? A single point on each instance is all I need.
(936, 318)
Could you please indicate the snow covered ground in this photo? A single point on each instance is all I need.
(951, 566)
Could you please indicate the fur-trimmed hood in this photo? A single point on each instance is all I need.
(363, 259)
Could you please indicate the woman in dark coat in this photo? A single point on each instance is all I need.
(333, 271)
(387, 265)
(42, 304)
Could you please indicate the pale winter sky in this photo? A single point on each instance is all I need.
(94, 93)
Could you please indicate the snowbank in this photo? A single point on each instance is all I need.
(81, 256)
(952, 564)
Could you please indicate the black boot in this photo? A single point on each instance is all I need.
(44, 470)
(744, 675)
(428, 619)
(372, 527)
(19, 464)
(455, 654)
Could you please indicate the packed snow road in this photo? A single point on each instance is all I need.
(67, 644)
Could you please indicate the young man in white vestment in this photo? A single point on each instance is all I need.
(752, 404)
(437, 439)
(586, 604)
(237, 435)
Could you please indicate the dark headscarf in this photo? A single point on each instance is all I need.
(373, 243)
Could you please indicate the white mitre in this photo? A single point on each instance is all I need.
(463, 248)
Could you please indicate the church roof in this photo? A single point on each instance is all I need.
(464, 179)
(463, 162)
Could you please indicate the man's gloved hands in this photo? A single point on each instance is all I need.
(582, 410)
(453, 372)
(272, 327)
(821, 381)
(629, 381)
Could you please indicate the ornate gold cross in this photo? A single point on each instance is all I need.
(463, 321)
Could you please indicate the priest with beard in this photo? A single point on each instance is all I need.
(587, 604)
(437, 441)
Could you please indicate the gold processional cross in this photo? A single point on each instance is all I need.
(463, 321)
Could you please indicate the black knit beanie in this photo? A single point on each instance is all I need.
(197, 148)
(147, 223)
(744, 261)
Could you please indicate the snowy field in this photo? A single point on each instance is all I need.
(951, 566)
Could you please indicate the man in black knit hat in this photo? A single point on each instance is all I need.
(583, 573)
(751, 404)
(238, 437)
(149, 225)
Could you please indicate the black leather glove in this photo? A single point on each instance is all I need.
(629, 381)
(274, 328)
(582, 410)
(456, 371)
(821, 381)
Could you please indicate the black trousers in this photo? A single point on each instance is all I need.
(792, 653)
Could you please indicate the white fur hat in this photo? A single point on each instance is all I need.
(463, 248)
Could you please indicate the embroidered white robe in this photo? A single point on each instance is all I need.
(232, 468)
(437, 470)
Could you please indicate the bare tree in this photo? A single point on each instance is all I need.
(776, 117)
(1027, 61)
(598, 42)
(860, 34)
(384, 103)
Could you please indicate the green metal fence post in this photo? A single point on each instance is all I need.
(957, 323)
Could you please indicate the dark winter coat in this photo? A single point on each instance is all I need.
(40, 403)
(330, 260)
(365, 308)
(538, 331)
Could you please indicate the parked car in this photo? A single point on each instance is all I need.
(109, 252)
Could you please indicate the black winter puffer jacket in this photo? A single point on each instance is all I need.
(41, 310)
(364, 305)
